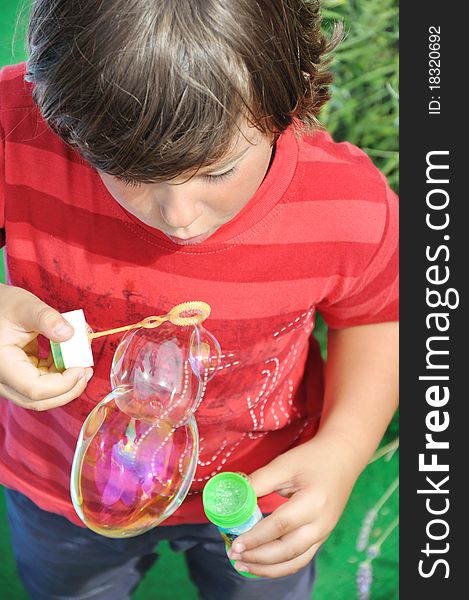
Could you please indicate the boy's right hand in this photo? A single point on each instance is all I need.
(24, 379)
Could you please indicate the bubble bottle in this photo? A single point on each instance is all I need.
(230, 503)
(137, 451)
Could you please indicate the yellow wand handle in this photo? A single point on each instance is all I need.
(149, 322)
(187, 313)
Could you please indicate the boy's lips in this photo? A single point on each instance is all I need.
(190, 240)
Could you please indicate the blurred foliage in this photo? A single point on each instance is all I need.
(364, 108)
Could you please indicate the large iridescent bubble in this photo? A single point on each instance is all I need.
(137, 451)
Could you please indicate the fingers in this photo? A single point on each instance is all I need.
(298, 511)
(38, 387)
(282, 475)
(284, 549)
(23, 379)
(43, 319)
(286, 540)
(47, 404)
(280, 569)
(270, 478)
(28, 314)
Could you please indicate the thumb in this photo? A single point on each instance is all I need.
(271, 478)
(39, 317)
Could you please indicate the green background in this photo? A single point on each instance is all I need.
(364, 110)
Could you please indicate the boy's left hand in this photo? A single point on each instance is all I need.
(318, 477)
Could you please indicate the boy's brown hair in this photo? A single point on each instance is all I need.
(148, 89)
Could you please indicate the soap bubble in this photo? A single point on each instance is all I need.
(205, 354)
(129, 473)
(168, 368)
(137, 452)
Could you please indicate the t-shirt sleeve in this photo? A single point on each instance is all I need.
(2, 183)
(2, 186)
(373, 295)
(2, 174)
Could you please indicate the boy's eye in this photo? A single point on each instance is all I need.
(221, 177)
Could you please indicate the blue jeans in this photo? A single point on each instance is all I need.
(58, 560)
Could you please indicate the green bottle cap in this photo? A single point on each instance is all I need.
(228, 499)
(57, 356)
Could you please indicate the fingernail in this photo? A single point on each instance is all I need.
(239, 547)
(62, 329)
(235, 556)
(240, 567)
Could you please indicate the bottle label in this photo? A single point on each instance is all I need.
(229, 534)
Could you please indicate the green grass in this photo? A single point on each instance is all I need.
(364, 107)
(364, 111)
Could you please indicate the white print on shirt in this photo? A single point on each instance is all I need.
(269, 408)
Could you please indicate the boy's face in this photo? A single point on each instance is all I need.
(189, 210)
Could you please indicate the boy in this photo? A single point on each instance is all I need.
(167, 151)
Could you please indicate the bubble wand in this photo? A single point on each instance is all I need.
(76, 352)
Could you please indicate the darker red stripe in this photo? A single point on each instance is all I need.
(386, 276)
(68, 227)
(66, 294)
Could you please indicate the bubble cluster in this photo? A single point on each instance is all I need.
(137, 451)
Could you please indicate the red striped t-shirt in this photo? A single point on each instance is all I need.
(320, 234)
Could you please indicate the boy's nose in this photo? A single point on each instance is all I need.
(180, 213)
